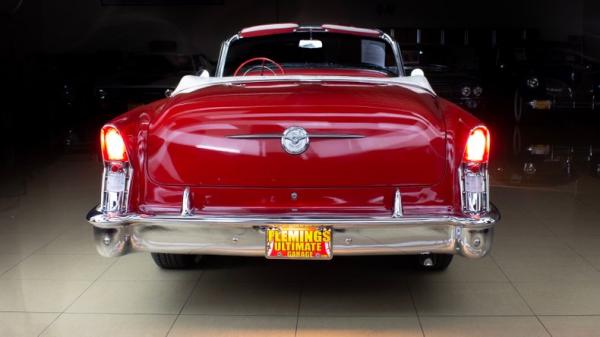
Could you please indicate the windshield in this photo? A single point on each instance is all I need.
(335, 51)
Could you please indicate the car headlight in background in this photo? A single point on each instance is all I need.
(101, 94)
(477, 91)
(68, 94)
(533, 82)
(465, 91)
(67, 90)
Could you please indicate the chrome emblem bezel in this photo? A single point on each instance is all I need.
(295, 140)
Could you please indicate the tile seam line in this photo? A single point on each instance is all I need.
(414, 304)
(187, 300)
(298, 309)
(77, 298)
(36, 251)
(566, 243)
(522, 298)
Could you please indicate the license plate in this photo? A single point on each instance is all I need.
(541, 104)
(305, 242)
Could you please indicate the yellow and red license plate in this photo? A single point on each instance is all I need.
(307, 242)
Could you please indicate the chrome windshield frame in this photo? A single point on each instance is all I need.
(386, 37)
(223, 54)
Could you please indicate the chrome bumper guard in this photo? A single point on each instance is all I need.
(469, 236)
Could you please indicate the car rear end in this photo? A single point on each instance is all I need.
(385, 171)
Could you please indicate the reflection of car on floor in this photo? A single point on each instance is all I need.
(551, 79)
(452, 72)
(537, 156)
(309, 142)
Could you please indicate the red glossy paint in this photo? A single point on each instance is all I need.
(403, 138)
(268, 29)
(411, 141)
(286, 28)
(261, 181)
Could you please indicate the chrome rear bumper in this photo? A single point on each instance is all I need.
(244, 236)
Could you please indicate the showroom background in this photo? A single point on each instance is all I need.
(31, 30)
(542, 277)
(59, 26)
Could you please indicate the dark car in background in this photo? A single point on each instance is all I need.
(452, 71)
(547, 94)
(87, 89)
(69, 79)
(550, 79)
(141, 78)
(451, 60)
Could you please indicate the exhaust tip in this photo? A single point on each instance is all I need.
(112, 242)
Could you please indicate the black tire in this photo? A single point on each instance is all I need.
(439, 262)
(174, 261)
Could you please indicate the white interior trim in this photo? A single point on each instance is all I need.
(190, 83)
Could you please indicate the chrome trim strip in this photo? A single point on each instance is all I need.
(335, 135)
(103, 188)
(125, 204)
(279, 135)
(461, 185)
(102, 220)
(223, 55)
(186, 203)
(258, 136)
(397, 204)
(396, 49)
(487, 189)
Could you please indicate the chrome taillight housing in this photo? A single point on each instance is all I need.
(116, 176)
(473, 173)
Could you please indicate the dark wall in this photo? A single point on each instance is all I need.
(86, 25)
(591, 27)
(195, 28)
(21, 38)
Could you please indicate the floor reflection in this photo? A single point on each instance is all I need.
(547, 150)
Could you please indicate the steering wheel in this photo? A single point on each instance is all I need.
(262, 67)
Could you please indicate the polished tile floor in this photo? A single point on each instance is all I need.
(542, 279)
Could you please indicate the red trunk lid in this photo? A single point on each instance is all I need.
(401, 136)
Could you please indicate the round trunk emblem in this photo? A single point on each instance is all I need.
(295, 140)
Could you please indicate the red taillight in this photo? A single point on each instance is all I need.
(113, 145)
(478, 146)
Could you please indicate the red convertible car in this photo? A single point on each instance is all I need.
(309, 142)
